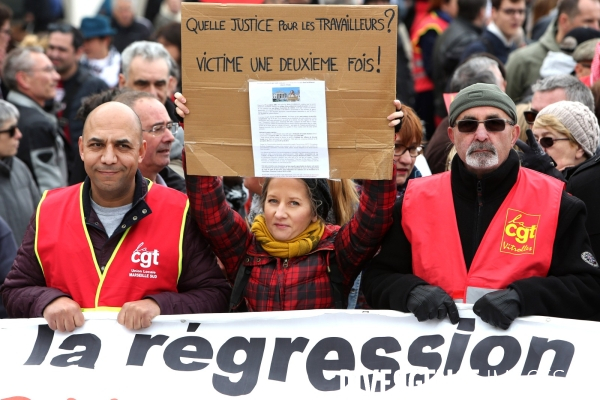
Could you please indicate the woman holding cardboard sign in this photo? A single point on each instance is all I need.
(290, 259)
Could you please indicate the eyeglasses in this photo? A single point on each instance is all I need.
(530, 116)
(547, 141)
(491, 125)
(413, 151)
(513, 11)
(158, 129)
(11, 131)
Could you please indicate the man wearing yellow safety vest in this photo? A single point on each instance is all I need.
(115, 242)
(504, 238)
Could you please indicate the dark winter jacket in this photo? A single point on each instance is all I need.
(571, 289)
(80, 85)
(201, 288)
(43, 147)
(488, 43)
(8, 251)
(19, 195)
(300, 282)
(584, 183)
(448, 50)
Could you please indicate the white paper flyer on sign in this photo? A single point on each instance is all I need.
(289, 129)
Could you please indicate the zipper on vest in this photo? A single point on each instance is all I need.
(285, 263)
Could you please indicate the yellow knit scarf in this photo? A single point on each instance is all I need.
(300, 245)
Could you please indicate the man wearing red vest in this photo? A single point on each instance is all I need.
(115, 242)
(490, 233)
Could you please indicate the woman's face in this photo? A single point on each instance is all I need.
(287, 208)
(404, 163)
(563, 151)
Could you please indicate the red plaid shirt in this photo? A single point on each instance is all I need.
(297, 283)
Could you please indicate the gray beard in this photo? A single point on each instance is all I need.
(482, 160)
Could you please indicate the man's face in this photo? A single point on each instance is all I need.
(483, 151)
(588, 16)
(153, 113)
(61, 51)
(111, 149)
(123, 13)
(96, 48)
(9, 145)
(509, 17)
(40, 82)
(543, 99)
(148, 76)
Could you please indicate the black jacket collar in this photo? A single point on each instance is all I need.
(493, 185)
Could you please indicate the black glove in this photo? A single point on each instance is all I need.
(430, 302)
(534, 157)
(499, 308)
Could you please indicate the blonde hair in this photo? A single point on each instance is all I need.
(345, 199)
(521, 120)
(552, 122)
(450, 157)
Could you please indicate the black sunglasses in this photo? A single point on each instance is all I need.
(530, 116)
(491, 125)
(546, 142)
(11, 131)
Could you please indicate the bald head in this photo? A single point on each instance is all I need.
(111, 149)
(113, 115)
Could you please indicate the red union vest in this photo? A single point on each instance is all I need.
(430, 21)
(517, 244)
(146, 261)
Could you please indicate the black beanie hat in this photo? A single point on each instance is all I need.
(319, 190)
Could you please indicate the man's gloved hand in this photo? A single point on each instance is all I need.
(534, 157)
(499, 308)
(430, 302)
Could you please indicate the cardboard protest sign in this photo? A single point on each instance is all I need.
(351, 48)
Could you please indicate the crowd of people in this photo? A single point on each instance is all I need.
(492, 202)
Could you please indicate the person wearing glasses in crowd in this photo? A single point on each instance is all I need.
(504, 238)
(19, 195)
(158, 132)
(568, 131)
(546, 92)
(503, 34)
(407, 147)
(148, 67)
(556, 88)
(116, 242)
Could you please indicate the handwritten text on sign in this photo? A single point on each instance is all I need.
(352, 49)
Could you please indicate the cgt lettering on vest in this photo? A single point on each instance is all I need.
(519, 232)
(145, 259)
(330, 363)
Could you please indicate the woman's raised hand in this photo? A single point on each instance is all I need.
(181, 109)
(395, 118)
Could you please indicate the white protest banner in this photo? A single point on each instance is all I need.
(299, 354)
